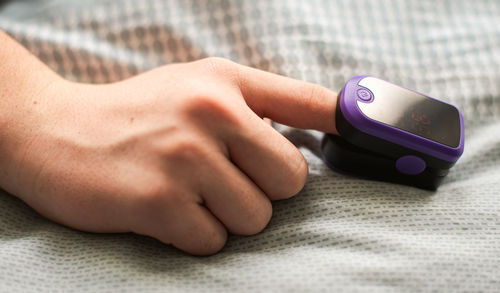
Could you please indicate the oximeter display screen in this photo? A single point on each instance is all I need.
(411, 112)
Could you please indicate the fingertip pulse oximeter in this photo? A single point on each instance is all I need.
(390, 133)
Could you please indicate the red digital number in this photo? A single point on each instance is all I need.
(421, 123)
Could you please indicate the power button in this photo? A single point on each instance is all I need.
(410, 165)
(364, 94)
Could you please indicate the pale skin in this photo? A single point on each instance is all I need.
(180, 153)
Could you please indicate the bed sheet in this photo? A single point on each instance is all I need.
(340, 233)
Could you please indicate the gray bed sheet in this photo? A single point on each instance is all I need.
(340, 233)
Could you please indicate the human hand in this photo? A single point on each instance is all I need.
(179, 153)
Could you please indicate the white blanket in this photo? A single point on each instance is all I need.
(338, 234)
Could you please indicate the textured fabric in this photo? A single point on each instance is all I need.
(338, 234)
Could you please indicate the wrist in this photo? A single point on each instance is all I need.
(26, 85)
(23, 79)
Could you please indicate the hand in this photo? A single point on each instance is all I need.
(180, 153)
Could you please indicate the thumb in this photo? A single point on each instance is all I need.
(288, 101)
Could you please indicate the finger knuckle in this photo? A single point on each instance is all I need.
(294, 178)
(158, 196)
(223, 68)
(258, 217)
(210, 242)
(219, 65)
(204, 103)
(300, 171)
(212, 110)
(152, 191)
(184, 149)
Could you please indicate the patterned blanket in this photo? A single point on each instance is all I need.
(340, 233)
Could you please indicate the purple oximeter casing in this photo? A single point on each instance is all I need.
(391, 133)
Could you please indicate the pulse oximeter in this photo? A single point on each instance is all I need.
(390, 133)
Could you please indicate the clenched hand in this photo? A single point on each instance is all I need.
(180, 153)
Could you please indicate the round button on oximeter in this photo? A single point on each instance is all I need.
(390, 133)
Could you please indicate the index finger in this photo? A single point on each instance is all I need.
(288, 101)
